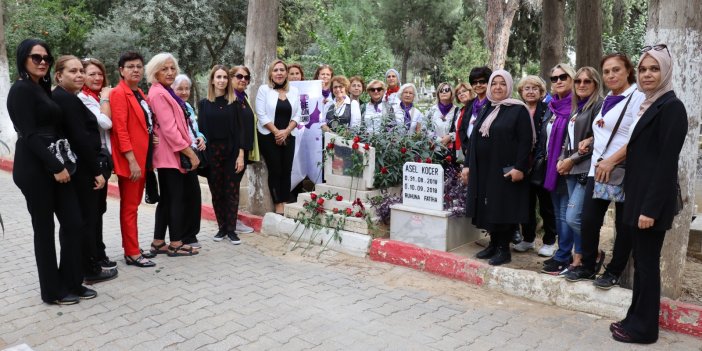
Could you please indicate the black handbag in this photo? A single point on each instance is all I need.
(61, 149)
(104, 163)
(151, 195)
(538, 172)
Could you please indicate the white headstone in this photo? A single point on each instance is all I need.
(423, 186)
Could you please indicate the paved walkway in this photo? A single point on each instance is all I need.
(260, 296)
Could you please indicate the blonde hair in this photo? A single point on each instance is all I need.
(374, 82)
(156, 63)
(271, 84)
(438, 89)
(533, 80)
(228, 91)
(467, 87)
(61, 64)
(596, 95)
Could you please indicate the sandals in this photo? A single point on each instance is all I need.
(182, 250)
(158, 249)
(147, 254)
(140, 261)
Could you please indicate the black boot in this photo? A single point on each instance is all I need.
(517, 237)
(487, 252)
(502, 256)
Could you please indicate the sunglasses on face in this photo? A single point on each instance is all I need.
(36, 59)
(658, 47)
(375, 90)
(240, 76)
(583, 81)
(445, 90)
(563, 77)
(479, 81)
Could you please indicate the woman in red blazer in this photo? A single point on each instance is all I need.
(132, 129)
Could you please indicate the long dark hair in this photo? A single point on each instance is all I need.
(23, 50)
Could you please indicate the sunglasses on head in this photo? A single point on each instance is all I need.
(563, 77)
(375, 90)
(583, 81)
(658, 47)
(240, 76)
(478, 81)
(36, 59)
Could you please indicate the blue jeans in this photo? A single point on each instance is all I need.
(576, 196)
(565, 233)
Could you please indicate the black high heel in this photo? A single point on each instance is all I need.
(140, 261)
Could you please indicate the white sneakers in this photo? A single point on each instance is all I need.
(242, 228)
(547, 250)
(523, 246)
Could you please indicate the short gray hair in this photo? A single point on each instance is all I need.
(405, 86)
(180, 79)
(155, 64)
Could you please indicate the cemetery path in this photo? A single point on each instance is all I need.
(260, 296)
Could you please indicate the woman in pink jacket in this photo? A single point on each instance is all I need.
(171, 129)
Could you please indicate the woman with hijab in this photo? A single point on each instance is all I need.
(406, 114)
(532, 90)
(608, 147)
(497, 199)
(392, 80)
(556, 128)
(441, 120)
(43, 179)
(651, 188)
(587, 101)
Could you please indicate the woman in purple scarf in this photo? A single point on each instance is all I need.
(441, 120)
(559, 108)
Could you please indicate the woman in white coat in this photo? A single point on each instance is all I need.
(406, 115)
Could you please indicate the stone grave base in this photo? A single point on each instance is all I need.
(431, 229)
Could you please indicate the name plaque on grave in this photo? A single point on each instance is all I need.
(423, 186)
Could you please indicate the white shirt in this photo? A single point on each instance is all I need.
(267, 100)
(441, 125)
(603, 133)
(416, 116)
(348, 103)
(373, 119)
(104, 122)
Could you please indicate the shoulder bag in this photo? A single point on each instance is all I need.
(613, 190)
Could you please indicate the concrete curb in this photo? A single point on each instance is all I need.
(675, 316)
(207, 212)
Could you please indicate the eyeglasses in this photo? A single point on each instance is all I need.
(479, 81)
(240, 76)
(657, 47)
(583, 81)
(338, 87)
(131, 67)
(445, 90)
(374, 90)
(563, 77)
(36, 59)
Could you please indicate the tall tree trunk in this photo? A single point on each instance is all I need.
(618, 16)
(552, 36)
(678, 24)
(7, 132)
(588, 47)
(405, 59)
(260, 51)
(498, 22)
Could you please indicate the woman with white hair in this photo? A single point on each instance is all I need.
(405, 113)
(174, 175)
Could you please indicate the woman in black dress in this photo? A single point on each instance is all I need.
(43, 179)
(497, 161)
(652, 190)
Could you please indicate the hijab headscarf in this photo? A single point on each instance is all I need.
(395, 89)
(665, 85)
(485, 128)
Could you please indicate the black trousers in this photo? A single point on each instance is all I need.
(592, 219)
(88, 200)
(501, 234)
(172, 209)
(642, 317)
(46, 197)
(102, 208)
(224, 185)
(547, 215)
(279, 160)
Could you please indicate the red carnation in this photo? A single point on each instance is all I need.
(320, 209)
(428, 160)
(313, 196)
(384, 170)
(320, 201)
(349, 211)
(403, 150)
(449, 158)
(418, 160)
(335, 210)
(354, 146)
(366, 146)
(330, 146)
(359, 214)
(356, 139)
(339, 197)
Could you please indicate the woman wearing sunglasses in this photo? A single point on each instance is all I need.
(441, 121)
(608, 147)
(42, 178)
(376, 111)
(478, 79)
(651, 189)
(464, 97)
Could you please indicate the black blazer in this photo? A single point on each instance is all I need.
(650, 183)
(541, 117)
(81, 128)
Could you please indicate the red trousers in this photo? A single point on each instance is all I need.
(130, 194)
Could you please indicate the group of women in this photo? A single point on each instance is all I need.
(560, 152)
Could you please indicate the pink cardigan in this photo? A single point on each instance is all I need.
(170, 128)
